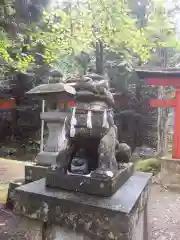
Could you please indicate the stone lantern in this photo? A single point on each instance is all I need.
(58, 98)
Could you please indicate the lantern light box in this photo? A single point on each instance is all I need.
(67, 106)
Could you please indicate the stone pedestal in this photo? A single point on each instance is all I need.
(122, 216)
(35, 172)
(10, 196)
(170, 172)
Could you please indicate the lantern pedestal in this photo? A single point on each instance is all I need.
(170, 173)
(35, 172)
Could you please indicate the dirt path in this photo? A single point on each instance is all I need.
(9, 170)
(13, 228)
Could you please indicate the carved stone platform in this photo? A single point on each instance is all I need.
(98, 185)
(122, 216)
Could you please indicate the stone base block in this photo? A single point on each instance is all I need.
(122, 216)
(12, 186)
(34, 172)
(170, 173)
(99, 185)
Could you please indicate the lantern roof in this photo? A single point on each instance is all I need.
(52, 90)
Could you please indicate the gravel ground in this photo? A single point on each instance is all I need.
(13, 228)
(164, 214)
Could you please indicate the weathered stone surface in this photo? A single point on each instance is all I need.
(99, 185)
(52, 116)
(57, 233)
(107, 151)
(55, 123)
(170, 172)
(93, 106)
(138, 233)
(55, 132)
(34, 173)
(98, 218)
(163, 220)
(12, 186)
(46, 158)
(51, 89)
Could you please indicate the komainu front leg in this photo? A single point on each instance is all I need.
(107, 161)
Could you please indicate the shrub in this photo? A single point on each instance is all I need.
(151, 165)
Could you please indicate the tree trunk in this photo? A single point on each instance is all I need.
(162, 125)
(99, 58)
(162, 112)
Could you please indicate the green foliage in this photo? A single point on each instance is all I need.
(65, 33)
(62, 33)
(160, 29)
(161, 32)
(148, 165)
(117, 29)
(32, 146)
(11, 46)
(76, 28)
(73, 32)
(4, 44)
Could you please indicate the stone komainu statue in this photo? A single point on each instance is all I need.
(90, 135)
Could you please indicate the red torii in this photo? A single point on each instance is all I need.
(167, 78)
